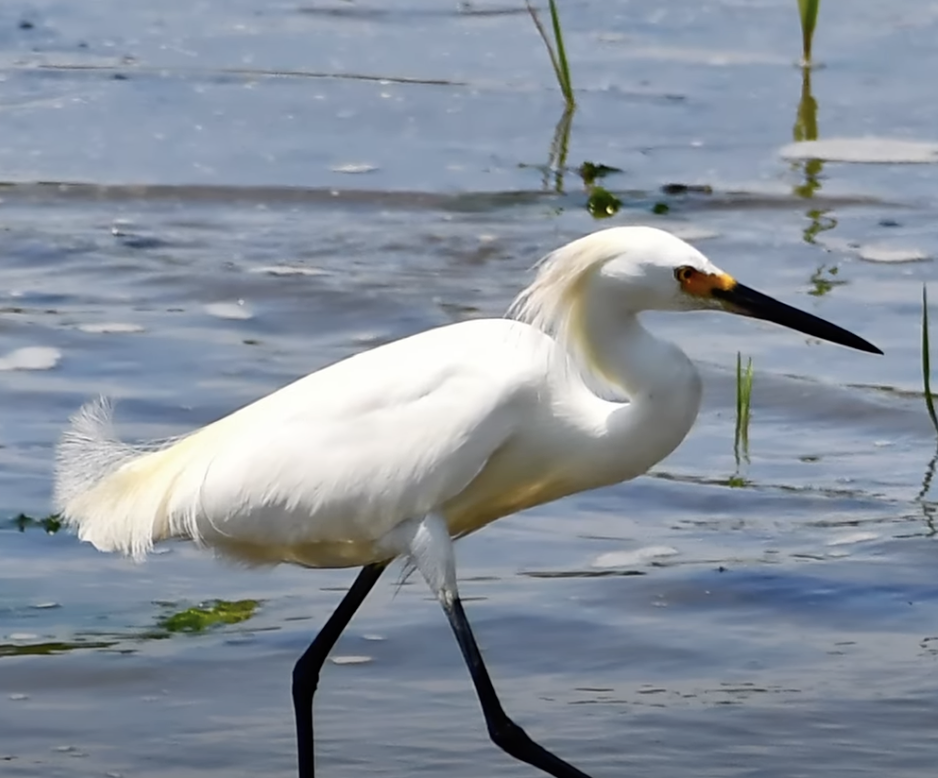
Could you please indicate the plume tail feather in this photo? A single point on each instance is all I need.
(101, 488)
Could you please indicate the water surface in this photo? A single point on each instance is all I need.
(204, 201)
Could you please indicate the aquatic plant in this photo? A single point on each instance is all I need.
(928, 508)
(49, 647)
(555, 50)
(199, 618)
(743, 406)
(601, 203)
(806, 126)
(926, 361)
(51, 524)
(590, 171)
(808, 9)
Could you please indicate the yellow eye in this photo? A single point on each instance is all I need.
(684, 273)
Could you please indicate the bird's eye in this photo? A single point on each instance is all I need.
(684, 273)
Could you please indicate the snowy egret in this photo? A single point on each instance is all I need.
(397, 451)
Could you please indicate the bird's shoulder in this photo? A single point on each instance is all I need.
(497, 358)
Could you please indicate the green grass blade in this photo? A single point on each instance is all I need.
(547, 44)
(743, 408)
(739, 405)
(563, 67)
(808, 10)
(926, 361)
(747, 405)
(560, 64)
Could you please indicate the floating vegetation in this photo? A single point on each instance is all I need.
(602, 203)
(555, 50)
(743, 412)
(590, 171)
(808, 9)
(823, 280)
(686, 189)
(926, 362)
(51, 647)
(200, 618)
(50, 524)
(194, 620)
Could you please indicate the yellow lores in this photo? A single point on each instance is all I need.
(701, 284)
(396, 451)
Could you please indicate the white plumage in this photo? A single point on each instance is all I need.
(395, 451)
(470, 421)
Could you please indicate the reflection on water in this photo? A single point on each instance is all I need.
(805, 129)
(559, 147)
(824, 279)
(600, 202)
(929, 507)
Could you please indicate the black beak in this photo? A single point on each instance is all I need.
(748, 302)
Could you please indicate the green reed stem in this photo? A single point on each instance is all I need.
(743, 405)
(926, 361)
(566, 85)
(809, 11)
(558, 55)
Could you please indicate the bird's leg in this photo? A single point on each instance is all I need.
(504, 732)
(306, 671)
(430, 549)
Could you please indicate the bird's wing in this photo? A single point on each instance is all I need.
(341, 456)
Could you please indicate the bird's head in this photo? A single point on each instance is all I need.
(635, 269)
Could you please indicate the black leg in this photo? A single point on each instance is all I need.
(306, 671)
(504, 732)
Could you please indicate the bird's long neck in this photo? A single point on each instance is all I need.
(662, 385)
(619, 348)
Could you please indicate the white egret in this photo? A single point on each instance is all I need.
(397, 451)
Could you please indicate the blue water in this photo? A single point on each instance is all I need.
(212, 245)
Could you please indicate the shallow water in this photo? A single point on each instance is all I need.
(257, 189)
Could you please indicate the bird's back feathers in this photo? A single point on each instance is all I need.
(316, 472)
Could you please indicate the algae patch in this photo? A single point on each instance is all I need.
(51, 524)
(208, 615)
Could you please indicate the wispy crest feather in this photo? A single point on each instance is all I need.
(555, 302)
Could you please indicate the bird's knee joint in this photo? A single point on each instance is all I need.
(304, 682)
(507, 735)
